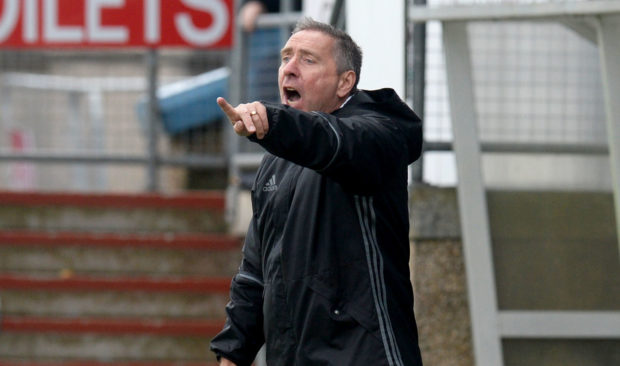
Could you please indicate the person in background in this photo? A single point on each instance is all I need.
(251, 9)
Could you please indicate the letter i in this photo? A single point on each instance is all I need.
(31, 21)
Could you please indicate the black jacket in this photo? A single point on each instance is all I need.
(325, 273)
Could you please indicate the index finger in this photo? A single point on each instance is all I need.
(228, 109)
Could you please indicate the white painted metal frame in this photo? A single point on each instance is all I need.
(597, 21)
(608, 31)
(559, 324)
(471, 196)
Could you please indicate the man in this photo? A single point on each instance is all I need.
(324, 278)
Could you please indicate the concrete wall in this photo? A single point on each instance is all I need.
(551, 251)
(438, 275)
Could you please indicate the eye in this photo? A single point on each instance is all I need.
(309, 60)
(285, 59)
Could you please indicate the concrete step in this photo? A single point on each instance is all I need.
(73, 283)
(129, 280)
(120, 261)
(100, 363)
(167, 240)
(43, 303)
(131, 326)
(110, 348)
(55, 253)
(196, 212)
(37, 338)
(203, 298)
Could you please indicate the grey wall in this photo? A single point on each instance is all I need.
(551, 251)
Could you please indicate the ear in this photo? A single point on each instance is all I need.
(345, 83)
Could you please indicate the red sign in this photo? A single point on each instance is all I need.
(116, 23)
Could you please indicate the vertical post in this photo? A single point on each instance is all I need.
(237, 82)
(286, 6)
(79, 175)
(471, 197)
(152, 118)
(336, 18)
(419, 78)
(96, 114)
(608, 32)
(373, 25)
(6, 113)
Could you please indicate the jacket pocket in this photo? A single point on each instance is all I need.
(344, 313)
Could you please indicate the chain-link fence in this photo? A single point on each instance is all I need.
(536, 83)
(72, 120)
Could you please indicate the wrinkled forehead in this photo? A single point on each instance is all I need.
(310, 41)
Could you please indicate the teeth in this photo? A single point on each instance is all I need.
(293, 95)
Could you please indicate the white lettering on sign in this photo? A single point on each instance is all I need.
(9, 18)
(152, 28)
(51, 23)
(31, 28)
(190, 33)
(96, 31)
(52, 31)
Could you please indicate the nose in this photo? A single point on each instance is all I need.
(289, 68)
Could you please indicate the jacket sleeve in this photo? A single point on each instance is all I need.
(242, 335)
(359, 151)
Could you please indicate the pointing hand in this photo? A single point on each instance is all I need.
(246, 119)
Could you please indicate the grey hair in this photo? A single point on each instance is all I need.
(347, 53)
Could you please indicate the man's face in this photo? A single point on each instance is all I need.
(308, 77)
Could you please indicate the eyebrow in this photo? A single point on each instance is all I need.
(288, 50)
(285, 50)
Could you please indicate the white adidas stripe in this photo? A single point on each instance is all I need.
(367, 219)
(383, 294)
(338, 143)
(271, 182)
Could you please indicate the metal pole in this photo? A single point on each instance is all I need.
(337, 14)
(237, 82)
(472, 201)
(152, 118)
(608, 30)
(79, 176)
(96, 116)
(419, 71)
(285, 8)
(234, 92)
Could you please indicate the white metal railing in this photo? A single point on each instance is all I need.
(597, 21)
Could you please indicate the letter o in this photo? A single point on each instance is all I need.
(9, 18)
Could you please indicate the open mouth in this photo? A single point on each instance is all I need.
(291, 95)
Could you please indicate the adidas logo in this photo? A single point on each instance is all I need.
(271, 185)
